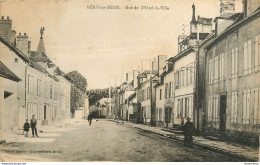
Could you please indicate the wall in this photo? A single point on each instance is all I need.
(169, 100)
(160, 106)
(41, 92)
(184, 95)
(9, 113)
(239, 83)
(18, 68)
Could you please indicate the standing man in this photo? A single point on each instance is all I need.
(90, 118)
(34, 126)
(188, 132)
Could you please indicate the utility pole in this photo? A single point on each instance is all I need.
(197, 80)
(150, 93)
(127, 92)
(109, 95)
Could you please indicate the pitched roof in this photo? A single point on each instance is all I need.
(7, 73)
(181, 54)
(238, 23)
(130, 98)
(228, 16)
(20, 54)
(204, 21)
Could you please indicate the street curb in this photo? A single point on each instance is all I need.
(210, 148)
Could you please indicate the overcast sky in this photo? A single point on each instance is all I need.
(105, 44)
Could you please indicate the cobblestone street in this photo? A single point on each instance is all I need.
(102, 141)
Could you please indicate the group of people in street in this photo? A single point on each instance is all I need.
(32, 125)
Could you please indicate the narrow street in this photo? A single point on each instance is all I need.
(105, 141)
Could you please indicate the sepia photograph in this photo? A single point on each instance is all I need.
(129, 81)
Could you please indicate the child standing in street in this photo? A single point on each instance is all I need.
(26, 127)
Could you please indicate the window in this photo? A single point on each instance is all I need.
(216, 76)
(180, 108)
(213, 108)
(247, 57)
(246, 106)
(46, 90)
(160, 94)
(182, 77)
(166, 90)
(210, 108)
(187, 102)
(160, 114)
(234, 54)
(257, 53)
(187, 74)
(192, 69)
(39, 88)
(257, 106)
(234, 107)
(39, 112)
(51, 92)
(210, 70)
(221, 67)
(148, 93)
(55, 93)
(170, 90)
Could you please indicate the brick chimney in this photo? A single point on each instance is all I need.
(22, 43)
(162, 59)
(5, 29)
(13, 36)
(227, 6)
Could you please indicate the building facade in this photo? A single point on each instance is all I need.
(39, 91)
(231, 86)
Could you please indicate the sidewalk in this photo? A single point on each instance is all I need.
(234, 150)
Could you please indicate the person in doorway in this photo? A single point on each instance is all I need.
(90, 116)
(188, 132)
(26, 128)
(34, 126)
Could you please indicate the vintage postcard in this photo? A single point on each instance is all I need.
(129, 81)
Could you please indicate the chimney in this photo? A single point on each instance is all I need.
(29, 47)
(154, 65)
(22, 43)
(13, 36)
(135, 78)
(227, 6)
(126, 77)
(5, 29)
(161, 63)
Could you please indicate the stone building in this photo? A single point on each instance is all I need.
(39, 89)
(146, 96)
(232, 65)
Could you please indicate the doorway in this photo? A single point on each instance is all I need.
(223, 106)
(45, 112)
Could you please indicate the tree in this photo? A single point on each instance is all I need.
(78, 80)
(78, 90)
